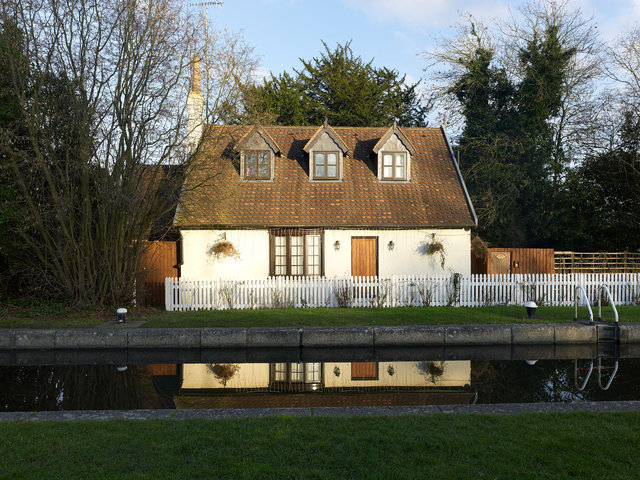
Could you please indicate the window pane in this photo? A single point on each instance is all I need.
(297, 260)
(263, 164)
(252, 165)
(387, 159)
(297, 372)
(332, 159)
(280, 372)
(313, 254)
(387, 172)
(400, 159)
(320, 171)
(399, 172)
(280, 255)
(319, 158)
(313, 372)
(332, 171)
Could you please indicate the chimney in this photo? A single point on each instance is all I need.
(195, 75)
(195, 108)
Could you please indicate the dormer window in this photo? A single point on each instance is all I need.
(257, 150)
(257, 165)
(325, 165)
(326, 155)
(394, 151)
(394, 166)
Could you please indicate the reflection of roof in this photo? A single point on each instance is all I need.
(215, 196)
(326, 399)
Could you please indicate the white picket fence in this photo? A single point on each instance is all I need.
(396, 291)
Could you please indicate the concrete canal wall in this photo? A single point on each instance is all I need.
(123, 337)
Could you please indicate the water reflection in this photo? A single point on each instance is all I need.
(102, 387)
(310, 384)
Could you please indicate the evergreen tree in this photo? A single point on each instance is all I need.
(508, 150)
(340, 86)
(544, 64)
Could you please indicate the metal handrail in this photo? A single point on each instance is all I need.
(602, 288)
(575, 375)
(580, 288)
(615, 370)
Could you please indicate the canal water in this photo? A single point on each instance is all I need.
(47, 381)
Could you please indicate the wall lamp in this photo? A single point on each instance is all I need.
(336, 371)
(336, 245)
(391, 245)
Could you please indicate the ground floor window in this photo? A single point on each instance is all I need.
(296, 252)
(296, 376)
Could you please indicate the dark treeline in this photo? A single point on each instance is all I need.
(548, 143)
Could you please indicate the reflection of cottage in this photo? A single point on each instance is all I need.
(323, 201)
(273, 385)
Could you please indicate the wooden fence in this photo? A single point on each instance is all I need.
(518, 260)
(396, 291)
(597, 262)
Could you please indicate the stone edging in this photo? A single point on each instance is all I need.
(316, 337)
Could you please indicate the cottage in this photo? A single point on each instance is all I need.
(322, 201)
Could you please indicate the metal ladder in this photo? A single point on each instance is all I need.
(581, 386)
(606, 331)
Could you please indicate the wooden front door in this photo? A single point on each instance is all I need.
(500, 262)
(364, 256)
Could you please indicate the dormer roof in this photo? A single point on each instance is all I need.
(331, 133)
(258, 130)
(394, 130)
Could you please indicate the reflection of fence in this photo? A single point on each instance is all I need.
(597, 262)
(396, 291)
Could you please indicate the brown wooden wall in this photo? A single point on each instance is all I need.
(523, 260)
(160, 261)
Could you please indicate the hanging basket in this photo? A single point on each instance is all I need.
(225, 249)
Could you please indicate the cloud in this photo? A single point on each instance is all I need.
(431, 13)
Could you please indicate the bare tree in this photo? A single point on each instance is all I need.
(623, 69)
(102, 96)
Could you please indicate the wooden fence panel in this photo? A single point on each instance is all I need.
(158, 262)
(597, 262)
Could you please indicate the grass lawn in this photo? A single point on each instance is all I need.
(56, 316)
(556, 445)
(375, 316)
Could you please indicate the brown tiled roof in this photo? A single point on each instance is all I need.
(214, 195)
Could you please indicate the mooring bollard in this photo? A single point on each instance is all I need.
(122, 314)
(531, 309)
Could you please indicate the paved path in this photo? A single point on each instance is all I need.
(499, 409)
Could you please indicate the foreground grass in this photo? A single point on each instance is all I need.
(574, 445)
(57, 316)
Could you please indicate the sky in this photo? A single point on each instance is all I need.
(394, 33)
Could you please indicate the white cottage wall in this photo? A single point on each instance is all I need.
(200, 262)
(408, 256)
